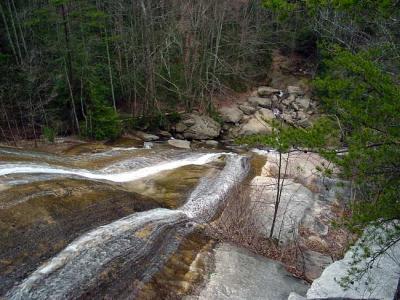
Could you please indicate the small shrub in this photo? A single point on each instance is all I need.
(49, 134)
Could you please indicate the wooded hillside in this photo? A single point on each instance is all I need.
(71, 66)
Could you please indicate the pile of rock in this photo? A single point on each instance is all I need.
(267, 103)
(254, 116)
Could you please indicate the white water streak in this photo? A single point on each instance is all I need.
(117, 177)
(206, 198)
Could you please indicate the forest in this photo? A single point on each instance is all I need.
(97, 69)
(89, 67)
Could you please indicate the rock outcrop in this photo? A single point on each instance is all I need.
(379, 281)
(295, 202)
(305, 168)
(305, 208)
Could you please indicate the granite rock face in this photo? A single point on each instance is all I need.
(241, 275)
(315, 263)
(303, 167)
(378, 282)
(295, 204)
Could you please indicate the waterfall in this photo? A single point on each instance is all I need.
(130, 240)
(205, 199)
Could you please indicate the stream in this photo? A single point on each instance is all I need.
(103, 224)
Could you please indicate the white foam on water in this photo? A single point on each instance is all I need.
(208, 195)
(124, 149)
(264, 152)
(7, 169)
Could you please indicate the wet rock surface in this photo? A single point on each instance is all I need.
(239, 274)
(172, 188)
(64, 236)
(37, 220)
(183, 271)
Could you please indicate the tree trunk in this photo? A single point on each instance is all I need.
(278, 194)
(110, 70)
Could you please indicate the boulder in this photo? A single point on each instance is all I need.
(266, 91)
(303, 102)
(247, 109)
(265, 114)
(183, 144)
(287, 118)
(305, 123)
(240, 274)
(199, 127)
(233, 132)
(289, 100)
(164, 134)
(179, 136)
(295, 106)
(301, 115)
(295, 90)
(255, 125)
(147, 137)
(189, 119)
(231, 114)
(226, 126)
(262, 102)
(180, 127)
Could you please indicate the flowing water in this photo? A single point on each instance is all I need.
(102, 224)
